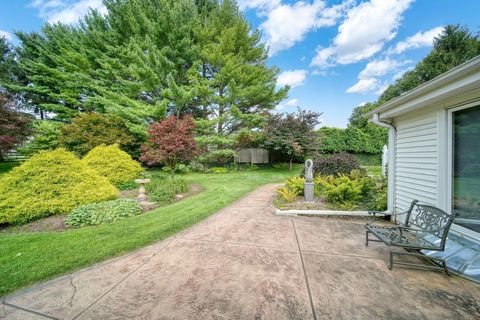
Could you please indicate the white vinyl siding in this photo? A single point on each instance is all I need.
(416, 156)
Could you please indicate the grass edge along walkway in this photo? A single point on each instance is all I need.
(27, 258)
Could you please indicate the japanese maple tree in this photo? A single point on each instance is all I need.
(170, 142)
(14, 126)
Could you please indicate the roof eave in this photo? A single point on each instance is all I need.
(429, 86)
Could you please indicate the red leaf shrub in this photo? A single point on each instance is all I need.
(340, 163)
(170, 142)
(14, 126)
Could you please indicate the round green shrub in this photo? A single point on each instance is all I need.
(50, 183)
(114, 164)
(102, 212)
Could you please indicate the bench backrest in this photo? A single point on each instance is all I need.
(430, 219)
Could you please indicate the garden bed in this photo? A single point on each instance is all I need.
(57, 223)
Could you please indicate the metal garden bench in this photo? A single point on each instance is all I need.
(425, 228)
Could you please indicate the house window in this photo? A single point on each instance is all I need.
(466, 167)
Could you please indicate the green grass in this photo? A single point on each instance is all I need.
(374, 170)
(7, 166)
(27, 258)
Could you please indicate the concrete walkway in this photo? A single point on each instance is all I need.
(246, 263)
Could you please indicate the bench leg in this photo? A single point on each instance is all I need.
(444, 265)
(366, 236)
(390, 266)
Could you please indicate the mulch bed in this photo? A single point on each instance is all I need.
(56, 223)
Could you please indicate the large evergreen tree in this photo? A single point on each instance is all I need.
(146, 58)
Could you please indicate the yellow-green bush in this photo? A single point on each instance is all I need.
(296, 184)
(287, 194)
(114, 164)
(50, 183)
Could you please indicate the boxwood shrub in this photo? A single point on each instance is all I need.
(114, 164)
(50, 183)
(102, 212)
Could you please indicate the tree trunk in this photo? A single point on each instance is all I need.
(291, 164)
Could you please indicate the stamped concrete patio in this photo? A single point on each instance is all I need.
(246, 263)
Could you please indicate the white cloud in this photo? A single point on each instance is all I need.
(368, 78)
(262, 6)
(400, 73)
(5, 34)
(363, 32)
(419, 39)
(366, 86)
(378, 68)
(289, 103)
(64, 11)
(292, 102)
(292, 78)
(288, 24)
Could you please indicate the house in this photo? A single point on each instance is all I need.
(434, 143)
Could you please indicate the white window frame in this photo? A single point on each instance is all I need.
(459, 230)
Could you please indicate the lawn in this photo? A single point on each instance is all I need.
(374, 170)
(31, 257)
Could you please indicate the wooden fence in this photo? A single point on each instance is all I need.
(252, 155)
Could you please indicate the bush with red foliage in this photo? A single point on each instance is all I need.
(170, 142)
(14, 126)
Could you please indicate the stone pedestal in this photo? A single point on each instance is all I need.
(142, 197)
(308, 190)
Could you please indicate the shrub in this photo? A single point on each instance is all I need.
(114, 164)
(356, 189)
(196, 166)
(217, 156)
(14, 126)
(218, 170)
(340, 190)
(49, 183)
(89, 130)
(170, 142)
(130, 185)
(165, 190)
(338, 164)
(287, 194)
(179, 168)
(102, 212)
(296, 184)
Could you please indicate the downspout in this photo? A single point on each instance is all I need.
(392, 133)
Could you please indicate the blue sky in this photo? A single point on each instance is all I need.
(334, 54)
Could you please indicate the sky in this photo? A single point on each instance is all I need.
(334, 54)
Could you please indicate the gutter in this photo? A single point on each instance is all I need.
(392, 136)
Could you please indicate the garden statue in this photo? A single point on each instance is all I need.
(309, 185)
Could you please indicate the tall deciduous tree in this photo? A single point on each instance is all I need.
(291, 134)
(170, 142)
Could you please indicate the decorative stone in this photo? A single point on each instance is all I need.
(309, 186)
(309, 170)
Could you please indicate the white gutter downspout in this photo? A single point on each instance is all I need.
(392, 133)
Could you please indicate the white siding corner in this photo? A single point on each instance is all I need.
(416, 166)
